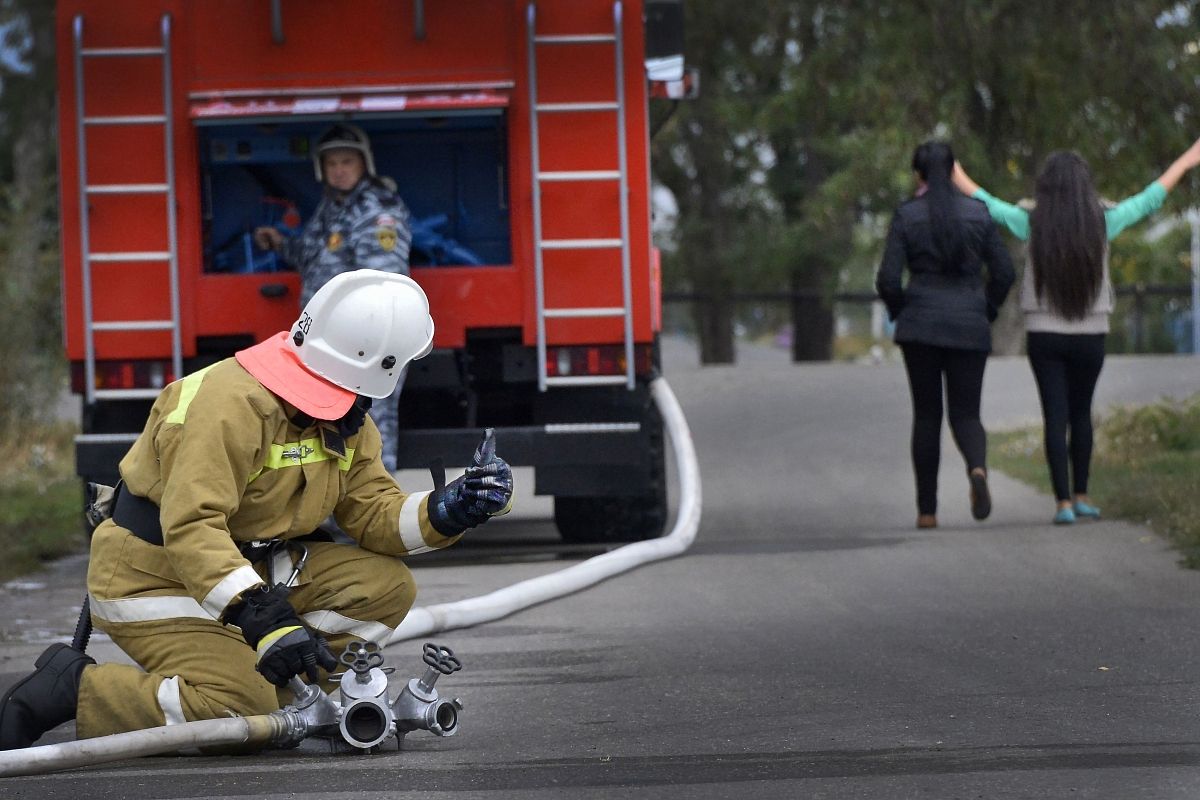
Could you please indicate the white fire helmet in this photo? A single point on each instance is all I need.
(343, 136)
(362, 328)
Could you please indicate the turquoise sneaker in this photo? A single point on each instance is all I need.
(1065, 516)
(1086, 510)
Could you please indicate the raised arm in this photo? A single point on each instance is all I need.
(1189, 159)
(1015, 218)
(962, 181)
(1134, 209)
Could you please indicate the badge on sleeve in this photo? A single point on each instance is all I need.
(334, 241)
(386, 237)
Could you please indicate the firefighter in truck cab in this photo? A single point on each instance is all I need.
(214, 544)
(360, 223)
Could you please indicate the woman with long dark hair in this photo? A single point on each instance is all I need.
(943, 316)
(1066, 298)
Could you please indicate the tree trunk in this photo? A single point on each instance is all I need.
(711, 271)
(30, 377)
(812, 318)
(812, 329)
(713, 315)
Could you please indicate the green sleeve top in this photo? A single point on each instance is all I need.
(1128, 212)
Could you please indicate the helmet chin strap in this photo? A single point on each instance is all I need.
(334, 433)
(353, 420)
(302, 420)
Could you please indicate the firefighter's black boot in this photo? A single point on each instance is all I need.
(44, 699)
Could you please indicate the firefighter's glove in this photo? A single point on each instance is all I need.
(482, 492)
(99, 500)
(292, 650)
(285, 646)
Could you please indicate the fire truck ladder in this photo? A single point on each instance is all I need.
(170, 257)
(621, 175)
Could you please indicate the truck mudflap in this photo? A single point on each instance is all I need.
(608, 479)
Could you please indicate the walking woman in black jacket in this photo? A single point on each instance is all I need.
(943, 315)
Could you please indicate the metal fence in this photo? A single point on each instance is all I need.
(1147, 319)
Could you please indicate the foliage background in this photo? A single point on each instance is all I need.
(32, 371)
(801, 139)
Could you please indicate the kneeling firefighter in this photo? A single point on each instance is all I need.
(211, 544)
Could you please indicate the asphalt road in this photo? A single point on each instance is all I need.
(811, 644)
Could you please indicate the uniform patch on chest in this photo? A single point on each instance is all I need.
(333, 442)
(334, 241)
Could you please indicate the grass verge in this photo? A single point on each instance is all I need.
(1145, 468)
(41, 500)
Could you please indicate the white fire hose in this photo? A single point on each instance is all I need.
(263, 730)
(281, 726)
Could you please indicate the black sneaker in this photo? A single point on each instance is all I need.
(981, 498)
(43, 699)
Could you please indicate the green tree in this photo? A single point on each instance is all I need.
(30, 351)
(809, 112)
(705, 158)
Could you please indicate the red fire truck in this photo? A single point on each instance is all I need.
(517, 134)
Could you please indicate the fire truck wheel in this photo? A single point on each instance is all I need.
(610, 519)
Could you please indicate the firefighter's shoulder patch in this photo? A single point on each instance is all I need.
(386, 237)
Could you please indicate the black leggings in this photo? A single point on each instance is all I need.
(1066, 367)
(926, 364)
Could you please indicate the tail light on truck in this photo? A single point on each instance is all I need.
(605, 359)
(124, 375)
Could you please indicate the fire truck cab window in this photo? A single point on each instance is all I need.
(450, 171)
